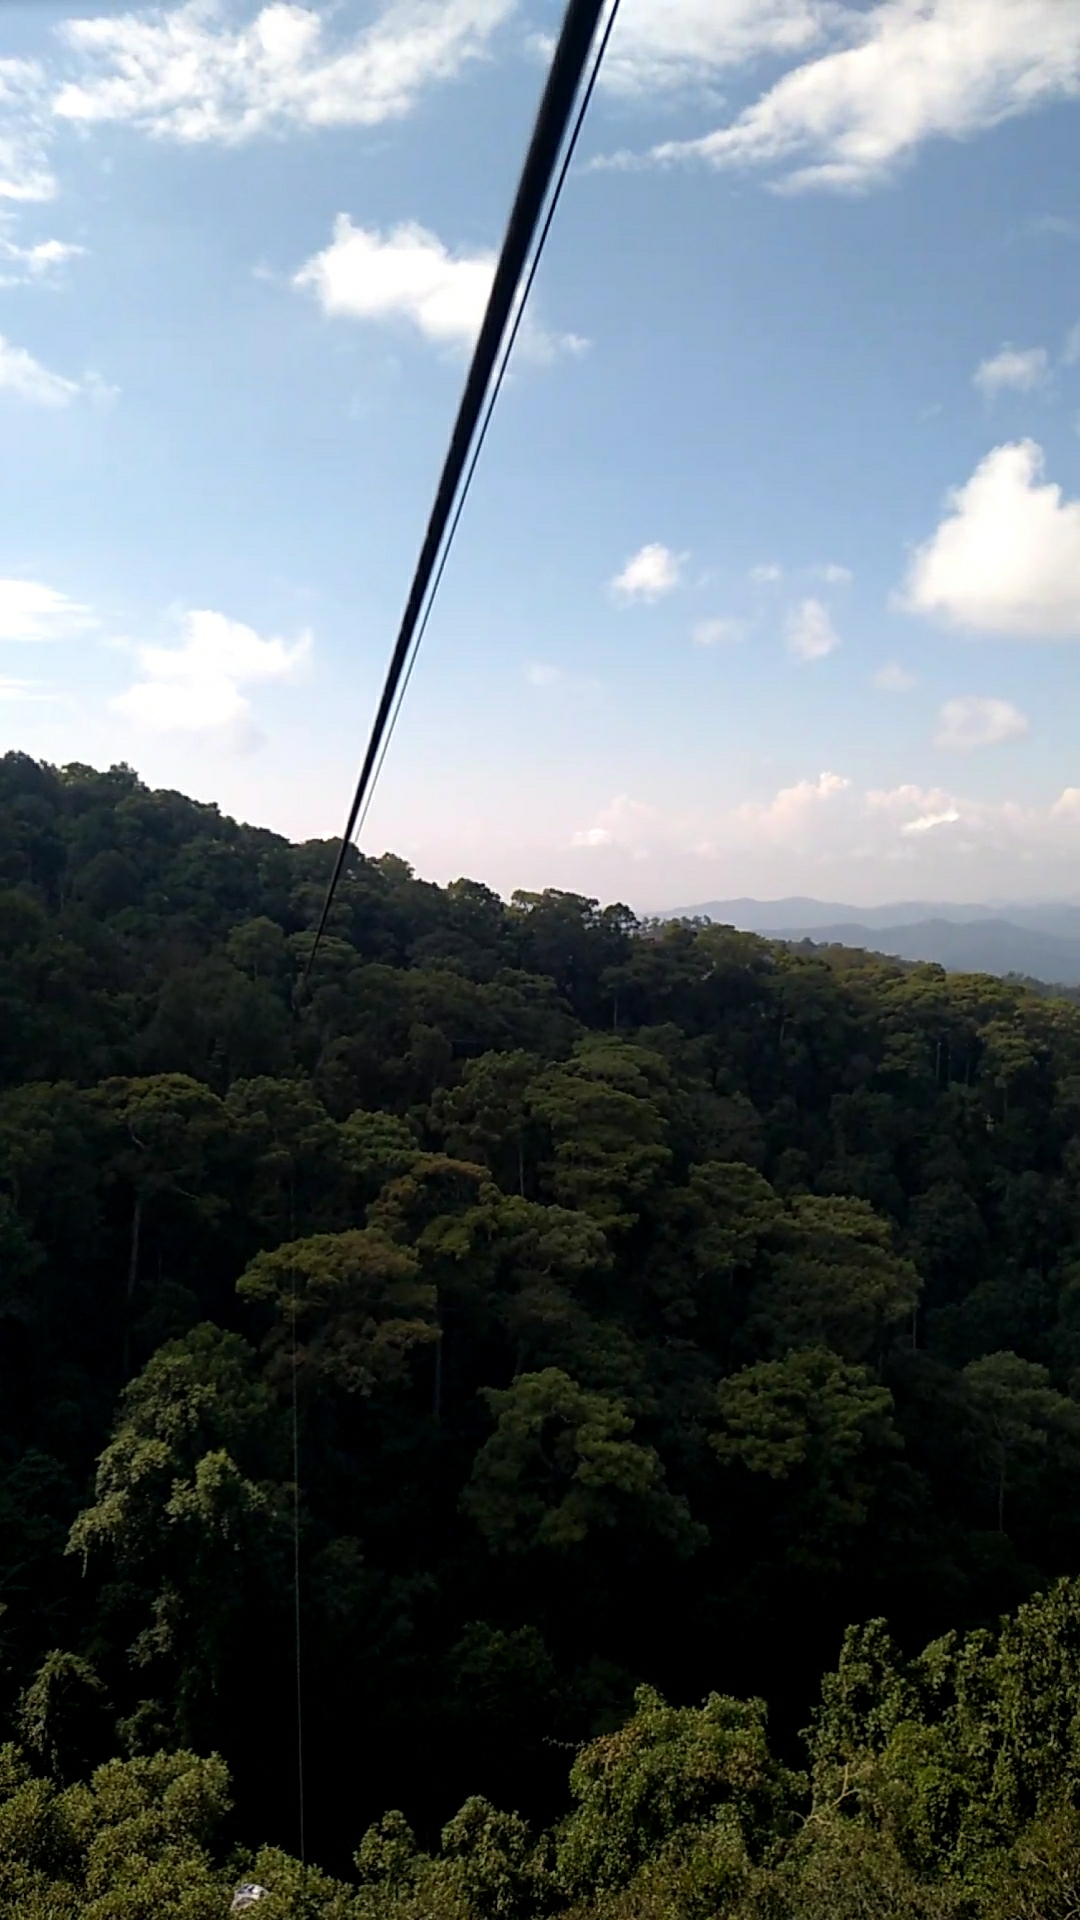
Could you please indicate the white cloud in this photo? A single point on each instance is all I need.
(718, 633)
(826, 834)
(834, 575)
(632, 826)
(20, 266)
(14, 690)
(913, 70)
(196, 687)
(767, 575)
(810, 632)
(1070, 352)
(542, 674)
(1006, 559)
(661, 44)
(926, 822)
(651, 573)
(893, 678)
(27, 379)
(1018, 368)
(24, 173)
(1054, 226)
(973, 722)
(31, 611)
(793, 809)
(628, 825)
(194, 74)
(408, 274)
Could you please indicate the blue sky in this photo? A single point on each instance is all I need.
(770, 581)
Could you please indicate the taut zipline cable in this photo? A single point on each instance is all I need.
(504, 310)
(489, 410)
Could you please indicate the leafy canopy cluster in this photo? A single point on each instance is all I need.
(654, 1301)
(941, 1788)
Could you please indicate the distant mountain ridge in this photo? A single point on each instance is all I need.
(798, 910)
(1040, 940)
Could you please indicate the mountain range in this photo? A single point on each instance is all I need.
(1038, 939)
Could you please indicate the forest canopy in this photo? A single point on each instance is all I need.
(624, 1324)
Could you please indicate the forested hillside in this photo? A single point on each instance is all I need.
(656, 1303)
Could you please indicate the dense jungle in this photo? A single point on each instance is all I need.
(650, 1353)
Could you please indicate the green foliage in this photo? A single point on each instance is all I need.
(956, 1752)
(818, 1424)
(667, 1774)
(189, 1518)
(1019, 1419)
(942, 1788)
(561, 1465)
(131, 1843)
(350, 1307)
(574, 1303)
(605, 1113)
(60, 1714)
(833, 1280)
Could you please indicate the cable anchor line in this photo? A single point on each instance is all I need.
(504, 309)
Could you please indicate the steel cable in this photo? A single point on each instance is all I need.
(505, 308)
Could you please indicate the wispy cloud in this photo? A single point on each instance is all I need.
(974, 722)
(677, 44)
(1054, 226)
(29, 610)
(543, 674)
(24, 171)
(810, 632)
(926, 822)
(627, 824)
(198, 686)
(718, 633)
(19, 690)
(910, 71)
(26, 379)
(893, 678)
(193, 73)
(1017, 368)
(34, 265)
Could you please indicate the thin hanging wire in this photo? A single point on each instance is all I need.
(556, 109)
(489, 410)
(296, 1584)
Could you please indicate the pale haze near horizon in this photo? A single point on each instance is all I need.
(770, 583)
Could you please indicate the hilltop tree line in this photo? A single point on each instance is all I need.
(605, 1315)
